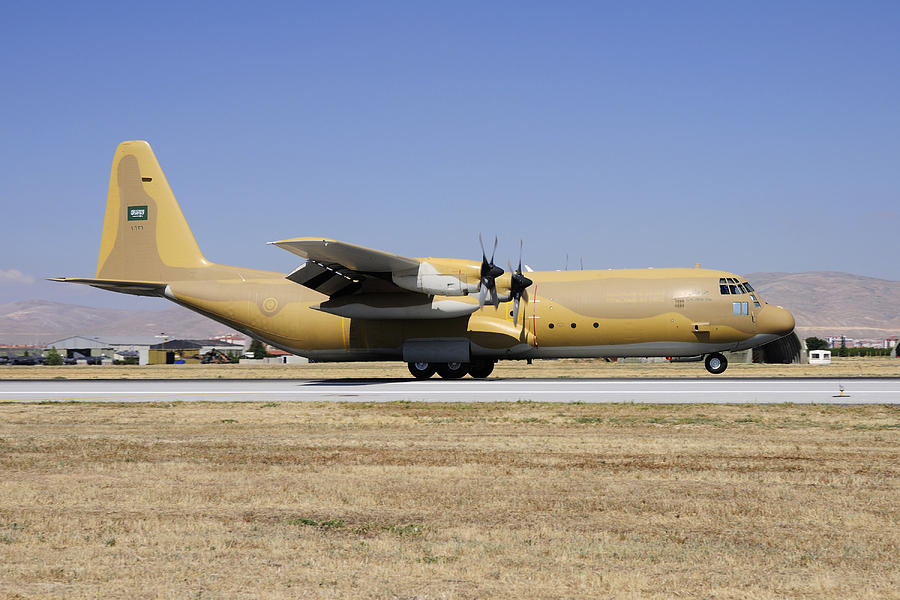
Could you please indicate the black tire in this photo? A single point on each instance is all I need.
(716, 363)
(421, 370)
(453, 370)
(481, 368)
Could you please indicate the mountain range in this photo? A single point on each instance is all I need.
(824, 304)
(42, 321)
(830, 303)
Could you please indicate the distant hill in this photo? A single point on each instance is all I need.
(823, 303)
(42, 321)
(828, 303)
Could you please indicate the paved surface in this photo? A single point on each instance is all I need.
(718, 390)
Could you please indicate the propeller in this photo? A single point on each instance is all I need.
(517, 286)
(489, 274)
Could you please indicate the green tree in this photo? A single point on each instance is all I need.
(843, 350)
(54, 358)
(257, 349)
(814, 343)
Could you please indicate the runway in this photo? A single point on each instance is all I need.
(657, 391)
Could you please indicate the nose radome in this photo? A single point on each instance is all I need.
(777, 320)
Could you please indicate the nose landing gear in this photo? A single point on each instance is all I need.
(716, 363)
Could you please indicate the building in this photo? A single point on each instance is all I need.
(820, 357)
(111, 346)
(188, 351)
(149, 350)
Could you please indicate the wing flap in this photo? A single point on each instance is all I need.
(330, 280)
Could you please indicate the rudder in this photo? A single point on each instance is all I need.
(145, 235)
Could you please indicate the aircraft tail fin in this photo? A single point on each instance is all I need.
(145, 235)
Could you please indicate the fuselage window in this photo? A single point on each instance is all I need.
(736, 307)
(745, 307)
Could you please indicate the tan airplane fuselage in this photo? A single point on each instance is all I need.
(639, 312)
(147, 248)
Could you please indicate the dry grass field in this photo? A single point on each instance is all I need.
(574, 368)
(405, 500)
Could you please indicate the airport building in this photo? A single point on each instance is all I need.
(189, 351)
(114, 347)
(147, 349)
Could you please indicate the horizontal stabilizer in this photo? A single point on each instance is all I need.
(135, 288)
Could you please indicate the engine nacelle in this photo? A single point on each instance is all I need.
(397, 306)
(438, 280)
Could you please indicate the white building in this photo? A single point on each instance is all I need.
(820, 357)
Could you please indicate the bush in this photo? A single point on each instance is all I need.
(54, 358)
(814, 343)
(257, 349)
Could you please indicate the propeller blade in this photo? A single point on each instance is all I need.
(516, 311)
(489, 274)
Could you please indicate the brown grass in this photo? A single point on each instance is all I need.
(569, 368)
(406, 500)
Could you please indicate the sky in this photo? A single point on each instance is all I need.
(746, 136)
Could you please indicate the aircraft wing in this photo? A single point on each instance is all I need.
(350, 256)
(337, 268)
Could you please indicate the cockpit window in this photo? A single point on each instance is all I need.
(730, 285)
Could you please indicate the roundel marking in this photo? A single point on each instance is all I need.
(270, 304)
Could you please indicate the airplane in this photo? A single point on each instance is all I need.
(453, 317)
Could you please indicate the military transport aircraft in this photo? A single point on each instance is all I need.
(450, 316)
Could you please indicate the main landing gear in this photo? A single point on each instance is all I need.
(716, 363)
(479, 369)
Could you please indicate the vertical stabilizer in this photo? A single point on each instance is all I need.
(145, 235)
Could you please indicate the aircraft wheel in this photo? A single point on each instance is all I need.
(421, 370)
(481, 368)
(716, 363)
(452, 370)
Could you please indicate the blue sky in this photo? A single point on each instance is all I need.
(744, 136)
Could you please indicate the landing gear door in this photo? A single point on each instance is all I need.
(436, 351)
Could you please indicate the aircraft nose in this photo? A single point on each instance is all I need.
(776, 320)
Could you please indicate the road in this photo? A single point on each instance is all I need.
(718, 390)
